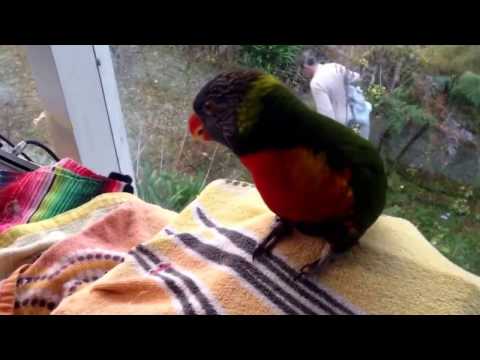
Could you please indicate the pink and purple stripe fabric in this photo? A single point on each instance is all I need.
(49, 191)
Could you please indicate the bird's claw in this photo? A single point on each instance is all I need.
(325, 257)
(262, 247)
(280, 229)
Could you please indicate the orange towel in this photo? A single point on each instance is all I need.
(22, 244)
(80, 259)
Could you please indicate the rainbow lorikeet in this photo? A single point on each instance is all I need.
(315, 174)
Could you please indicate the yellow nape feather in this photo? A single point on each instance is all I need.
(251, 106)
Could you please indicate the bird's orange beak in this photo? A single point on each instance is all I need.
(197, 129)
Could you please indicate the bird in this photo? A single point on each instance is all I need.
(316, 175)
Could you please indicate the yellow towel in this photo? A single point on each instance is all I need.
(201, 264)
(23, 243)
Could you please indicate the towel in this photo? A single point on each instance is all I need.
(201, 263)
(22, 244)
(49, 191)
(77, 260)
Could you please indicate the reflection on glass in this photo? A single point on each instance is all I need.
(22, 115)
(425, 121)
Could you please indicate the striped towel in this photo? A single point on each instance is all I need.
(79, 259)
(49, 191)
(201, 263)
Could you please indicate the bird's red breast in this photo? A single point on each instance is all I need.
(298, 185)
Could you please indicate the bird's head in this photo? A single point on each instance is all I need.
(228, 107)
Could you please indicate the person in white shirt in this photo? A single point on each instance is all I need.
(329, 87)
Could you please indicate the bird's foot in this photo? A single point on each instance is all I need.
(326, 256)
(280, 229)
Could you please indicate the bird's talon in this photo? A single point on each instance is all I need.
(299, 275)
(279, 230)
(305, 269)
(326, 257)
(258, 251)
(264, 246)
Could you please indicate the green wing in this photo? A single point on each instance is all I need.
(345, 148)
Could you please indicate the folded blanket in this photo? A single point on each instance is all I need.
(49, 191)
(22, 244)
(77, 260)
(201, 263)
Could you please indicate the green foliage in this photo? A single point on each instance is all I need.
(391, 65)
(461, 204)
(442, 82)
(452, 227)
(375, 93)
(452, 59)
(398, 108)
(394, 210)
(273, 59)
(169, 189)
(466, 90)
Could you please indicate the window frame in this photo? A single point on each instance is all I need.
(78, 88)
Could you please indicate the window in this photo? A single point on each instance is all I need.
(425, 119)
(157, 85)
(21, 111)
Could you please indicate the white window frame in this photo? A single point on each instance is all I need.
(77, 86)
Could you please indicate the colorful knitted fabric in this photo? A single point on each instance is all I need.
(201, 263)
(49, 191)
(82, 258)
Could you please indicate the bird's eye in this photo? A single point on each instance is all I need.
(209, 107)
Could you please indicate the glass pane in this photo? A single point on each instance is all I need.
(425, 122)
(157, 85)
(22, 115)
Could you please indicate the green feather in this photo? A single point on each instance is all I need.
(251, 106)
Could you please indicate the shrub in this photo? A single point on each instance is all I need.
(168, 189)
(399, 109)
(452, 59)
(466, 90)
(274, 59)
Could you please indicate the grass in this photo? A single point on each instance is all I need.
(449, 223)
(168, 189)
